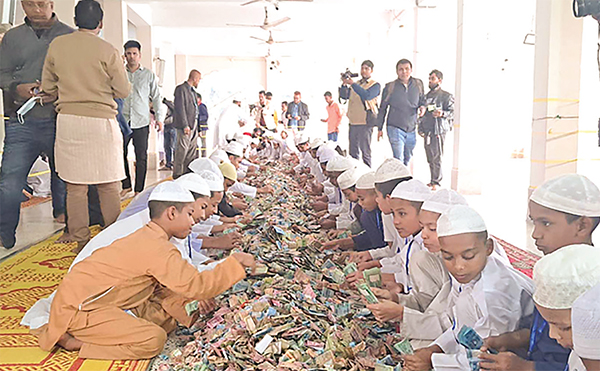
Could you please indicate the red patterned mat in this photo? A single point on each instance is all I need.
(522, 260)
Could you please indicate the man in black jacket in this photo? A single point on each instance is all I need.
(297, 113)
(437, 121)
(401, 104)
(185, 120)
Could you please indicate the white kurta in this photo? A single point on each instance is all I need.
(391, 236)
(347, 217)
(575, 363)
(228, 124)
(244, 189)
(492, 305)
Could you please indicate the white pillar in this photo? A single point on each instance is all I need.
(115, 22)
(555, 125)
(65, 10)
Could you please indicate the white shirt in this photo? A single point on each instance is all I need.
(492, 305)
(244, 189)
(228, 123)
(575, 362)
(390, 234)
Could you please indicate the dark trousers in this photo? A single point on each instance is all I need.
(434, 149)
(22, 146)
(332, 136)
(359, 137)
(140, 145)
(185, 152)
(170, 135)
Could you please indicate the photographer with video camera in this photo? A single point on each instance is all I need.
(363, 108)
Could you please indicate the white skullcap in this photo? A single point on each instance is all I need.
(459, 219)
(214, 180)
(585, 322)
(201, 164)
(316, 143)
(390, 169)
(561, 277)
(349, 178)
(327, 154)
(235, 148)
(571, 193)
(194, 183)
(340, 163)
(442, 200)
(302, 138)
(170, 191)
(219, 156)
(366, 181)
(411, 190)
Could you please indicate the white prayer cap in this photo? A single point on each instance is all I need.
(390, 169)
(219, 156)
(366, 181)
(411, 190)
(214, 180)
(243, 139)
(349, 178)
(570, 193)
(302, 138)
(201, 164)
(171, 191)
(585, 322)
(235, 148)
(561, 277)
(442, 200)
(194, 183)
(316, 143)
(459, 219)
(327, 154)
(340, 163)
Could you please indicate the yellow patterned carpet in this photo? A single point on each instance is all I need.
(25, 278)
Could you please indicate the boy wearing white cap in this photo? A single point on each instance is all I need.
(560, 278)
(585, 321)
(564, 211)
(347, 183)
(422, 310)
(485, 294)
(389, 174)
(339, 206)
(370, 220)
(88, 311)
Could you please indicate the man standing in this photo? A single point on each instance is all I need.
(362, 111)
(297, 113)
(136, 110)
(185, 119)
(170, 136)
(439, 112)
(284, 121)
(202, 123)
(87, 74)
(334, 117)
(403, 98)
(22, 54)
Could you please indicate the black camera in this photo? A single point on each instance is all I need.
(583, 8)
(348, 74)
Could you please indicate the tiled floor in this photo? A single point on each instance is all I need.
(37, 224)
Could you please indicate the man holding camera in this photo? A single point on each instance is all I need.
(362, 110)
(437, 121)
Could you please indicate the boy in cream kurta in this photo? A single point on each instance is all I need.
(88, 312)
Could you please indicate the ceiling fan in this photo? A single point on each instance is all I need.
(270, 41)
(266, 24)
(275, 3)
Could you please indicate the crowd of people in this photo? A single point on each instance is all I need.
(70, 96)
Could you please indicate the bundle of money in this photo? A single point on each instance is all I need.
(350, 268)
(366, 292)
(373, 277)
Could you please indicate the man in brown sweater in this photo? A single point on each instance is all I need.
(87, 74)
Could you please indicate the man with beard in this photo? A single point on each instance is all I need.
(437, 121)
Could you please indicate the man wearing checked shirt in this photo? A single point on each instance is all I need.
(136, 110)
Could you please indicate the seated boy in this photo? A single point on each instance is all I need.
(370, 220)
(347, 183)
(485, 294)
(334, 169)
(585, 321)
(422, 310)
(560, 278)
(564, 211)
(88, 312)
(227, 208)
(388, 175)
